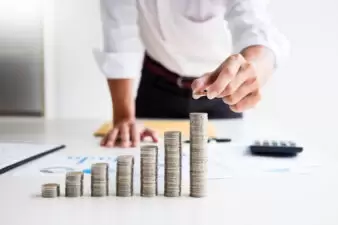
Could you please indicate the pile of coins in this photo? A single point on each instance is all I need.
(125, 176)
(198, 154)
(149, 170)
(100, 179)
(173, 163)
(74, 184)
(50, 190)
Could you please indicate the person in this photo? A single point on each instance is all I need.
(210, 56)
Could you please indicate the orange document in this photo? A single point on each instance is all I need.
(160, 126)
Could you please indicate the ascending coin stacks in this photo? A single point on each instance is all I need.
(148, 168)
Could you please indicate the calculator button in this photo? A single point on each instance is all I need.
(274, 143)
(266, 143)
(292, 144)
(257, 142)
(283, 143)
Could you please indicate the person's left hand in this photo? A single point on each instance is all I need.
(235, 81)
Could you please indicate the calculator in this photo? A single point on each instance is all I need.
(275, 148)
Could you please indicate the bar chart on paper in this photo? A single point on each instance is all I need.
(222, 164)
(60, 164)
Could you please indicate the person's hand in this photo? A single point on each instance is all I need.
(236, 81)
(126, 133)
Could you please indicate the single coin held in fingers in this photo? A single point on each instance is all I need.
(199, 94)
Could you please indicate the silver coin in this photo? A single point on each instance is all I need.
(198, 154)
(100, 179)
(125, 175)
(50, 190)
(173, 163)
(149, 170)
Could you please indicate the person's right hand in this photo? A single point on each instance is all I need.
(126, 133)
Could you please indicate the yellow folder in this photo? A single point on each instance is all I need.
(160, 126)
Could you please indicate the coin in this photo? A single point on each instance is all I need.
(198, 154)
(74, 184)
(149, 170)
(173, 163)
(50, 190)
(99, 179)
(125, 176)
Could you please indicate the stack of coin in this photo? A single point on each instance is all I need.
(198, 154)
(173, 163)
(100, 180)
(74, 184)
(50, 190)
(149, 170)
(125, 176)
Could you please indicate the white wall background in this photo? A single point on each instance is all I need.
(305, 86)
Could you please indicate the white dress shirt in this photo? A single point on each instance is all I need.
(188, 37)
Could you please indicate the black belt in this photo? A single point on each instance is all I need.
(158, 69)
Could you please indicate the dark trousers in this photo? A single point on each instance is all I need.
(160, 97)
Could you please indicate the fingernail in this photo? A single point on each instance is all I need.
(195, 96)
(211, 95)
(234, 108)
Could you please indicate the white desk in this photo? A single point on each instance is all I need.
(310, 199)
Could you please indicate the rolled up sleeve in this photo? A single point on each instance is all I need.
(250, 24)
(123, 52)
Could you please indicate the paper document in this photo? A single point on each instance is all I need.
(224, 161)
(61, 163)
(161, 126)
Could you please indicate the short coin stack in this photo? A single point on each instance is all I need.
(50, 190)
(74, 184)
(198, 154)
(173, 163)
(125, 176)
(149, 170)
(100, 179)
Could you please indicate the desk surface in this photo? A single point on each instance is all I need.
(292, 198)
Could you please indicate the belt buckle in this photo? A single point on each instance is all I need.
(179, 82)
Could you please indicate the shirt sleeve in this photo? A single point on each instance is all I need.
(250, 24)
(123, 52)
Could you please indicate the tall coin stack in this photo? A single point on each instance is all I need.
(198, 154)
(125, 176)
(173, 163)
(149, 170)
(100, 179)
(74, 184)
(50, 190)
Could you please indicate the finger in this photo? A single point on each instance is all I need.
(125, 136)
(247, 102)
(245, 89)
(199, 84)
(245, 72)
(228, 71)
(104, 140)
(149, 133)
(197, 95)
(135, 137)
(111, 137)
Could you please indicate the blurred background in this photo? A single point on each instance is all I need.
(47, 67)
